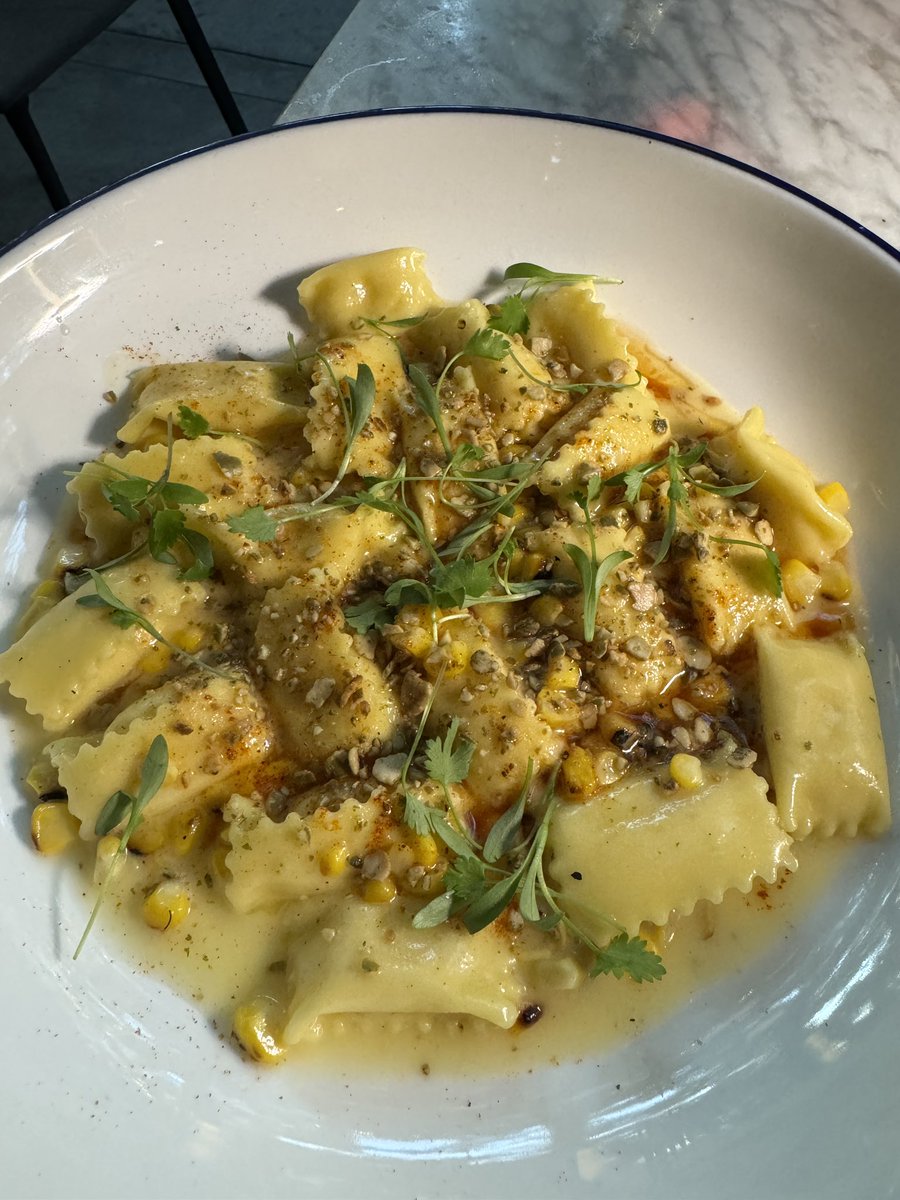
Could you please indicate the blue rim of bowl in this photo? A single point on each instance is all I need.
(597, 122)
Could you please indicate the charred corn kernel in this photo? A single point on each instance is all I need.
(687, 771)
(425, 850)
(167, 905)
(546, 609)
(579, 778)
(155, 660)
(563, 674)
(333, 861)
(106, 856)
(559, 710)
(609, 767)
(456, 658)
(379, 891)
(525, 565)
(189, 640)
(53, 828)
(187, 832)
(801, 583)
(835, 496)
(252, 1027)
(217, 860)
(836, 581)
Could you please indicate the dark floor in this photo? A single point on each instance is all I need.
(134, 96)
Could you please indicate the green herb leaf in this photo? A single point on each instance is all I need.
(153, 774)
(200, 549)
(371, 613)
(511, 317)
(357, 409)
(182, 493)
(593, 575)
(439, 910)
(507, 828)
(254, 523)
(126, 495)
(423, 818)
(166, 527)
(629, 956)
(531, 272)
(487, 343)
(192, 423)
(771, 555)
(445, 762)
(426, 397)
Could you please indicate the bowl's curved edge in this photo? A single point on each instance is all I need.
(571, 118)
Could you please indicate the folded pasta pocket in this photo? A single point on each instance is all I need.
(74, 655)
(351, 957)
(389, 285)
(823, 736)
(214, 728)
(604, 430)
(638, 852)
(255, 399)
(271, 862)
(805, 527)
(577, 326)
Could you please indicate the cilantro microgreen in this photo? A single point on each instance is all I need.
(368, 614)
(121, 806)
(192, 423)
(629, 956)
(511, 317)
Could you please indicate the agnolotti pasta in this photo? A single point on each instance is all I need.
(449, 665)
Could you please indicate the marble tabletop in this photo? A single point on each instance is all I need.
(808, 90)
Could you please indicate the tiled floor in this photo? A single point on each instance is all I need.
(134, 96)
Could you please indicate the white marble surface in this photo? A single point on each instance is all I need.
(809, 90)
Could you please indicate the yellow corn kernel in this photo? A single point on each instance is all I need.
(425, 850)
(836, 581)
(252, 1026)
(379, 891)
(493, 616)
(43, 777)
(333, 861)
(456, 658)
(687, 771)
(149, 837)
(835, 496)
(189, 640)
(414, 640)
(525, 565)
(106, 857)
(563, 674)
(217, 860)
(189, 831)
(801, 583)
(167, 905)
(155, 660)
(609, 767)
(559, 710)
(579, 778)
(53, 828)
(546, 609)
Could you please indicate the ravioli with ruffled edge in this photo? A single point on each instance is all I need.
(480, 656)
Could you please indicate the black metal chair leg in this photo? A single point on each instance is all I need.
(26, 131)
(203, 55)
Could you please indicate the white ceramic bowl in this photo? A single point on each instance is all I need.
(779, 1081)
